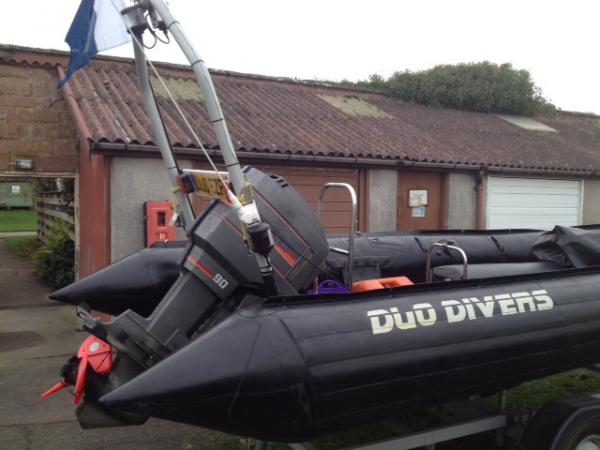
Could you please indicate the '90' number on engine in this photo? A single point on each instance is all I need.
(221, 282)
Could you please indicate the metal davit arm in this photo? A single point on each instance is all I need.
(260, 239)
(160, 134)
(213, 106)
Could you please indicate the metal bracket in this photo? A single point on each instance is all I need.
(429, 272)
(429, 437)
(352, 231)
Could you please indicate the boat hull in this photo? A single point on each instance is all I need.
(293, 368)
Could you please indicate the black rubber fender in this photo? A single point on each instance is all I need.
(563, 424)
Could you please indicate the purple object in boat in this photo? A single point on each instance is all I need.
(330, 287)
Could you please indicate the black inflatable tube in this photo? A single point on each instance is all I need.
(290, 369)
(140, 280)
(404, 253)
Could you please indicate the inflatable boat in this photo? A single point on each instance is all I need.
(262, 326)
(297, 365)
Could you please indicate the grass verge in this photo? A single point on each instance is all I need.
(567, 384)
(18, 220)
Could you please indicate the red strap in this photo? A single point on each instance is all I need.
(80, 380)
(57, 387)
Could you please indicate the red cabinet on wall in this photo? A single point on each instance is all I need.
(157, 219)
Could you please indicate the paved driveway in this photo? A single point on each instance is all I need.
(36, 338)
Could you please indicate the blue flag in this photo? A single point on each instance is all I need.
(97, 26)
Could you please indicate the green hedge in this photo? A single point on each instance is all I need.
(481, 86)
(55, 260)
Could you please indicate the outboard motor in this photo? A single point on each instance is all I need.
(217, 274)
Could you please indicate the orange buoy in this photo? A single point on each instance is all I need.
(380, 283)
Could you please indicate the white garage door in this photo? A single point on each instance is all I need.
(532, 203)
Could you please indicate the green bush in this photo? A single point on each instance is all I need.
(482, 87)
(55, 260)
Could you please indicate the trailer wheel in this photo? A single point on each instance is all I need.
(588, 438)
(569, 424)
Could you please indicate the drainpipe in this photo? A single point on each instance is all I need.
(480, 202)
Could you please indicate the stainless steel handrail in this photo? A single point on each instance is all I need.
(429, 272)
(352, 192)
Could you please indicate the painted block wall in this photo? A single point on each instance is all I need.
(383, 201)
(591, 202)
(462, 201)
(134, 181)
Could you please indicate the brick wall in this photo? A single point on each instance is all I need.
(34, 121)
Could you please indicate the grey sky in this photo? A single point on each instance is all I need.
(557, 41)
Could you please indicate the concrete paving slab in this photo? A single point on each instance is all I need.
(36, 337)
(21, 386)
(154, 435)
(19, 287)
(34, 333)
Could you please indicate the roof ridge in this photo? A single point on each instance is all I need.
(253, 110)
(23, 48)
(233, 73)
(590, 115)
(177, 66)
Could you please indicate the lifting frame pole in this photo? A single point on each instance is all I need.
(160, 135)
(215, 114)
(213, 107)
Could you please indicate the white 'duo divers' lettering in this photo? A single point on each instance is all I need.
(471, 308)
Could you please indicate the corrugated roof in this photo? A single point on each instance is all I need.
(274, 115)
